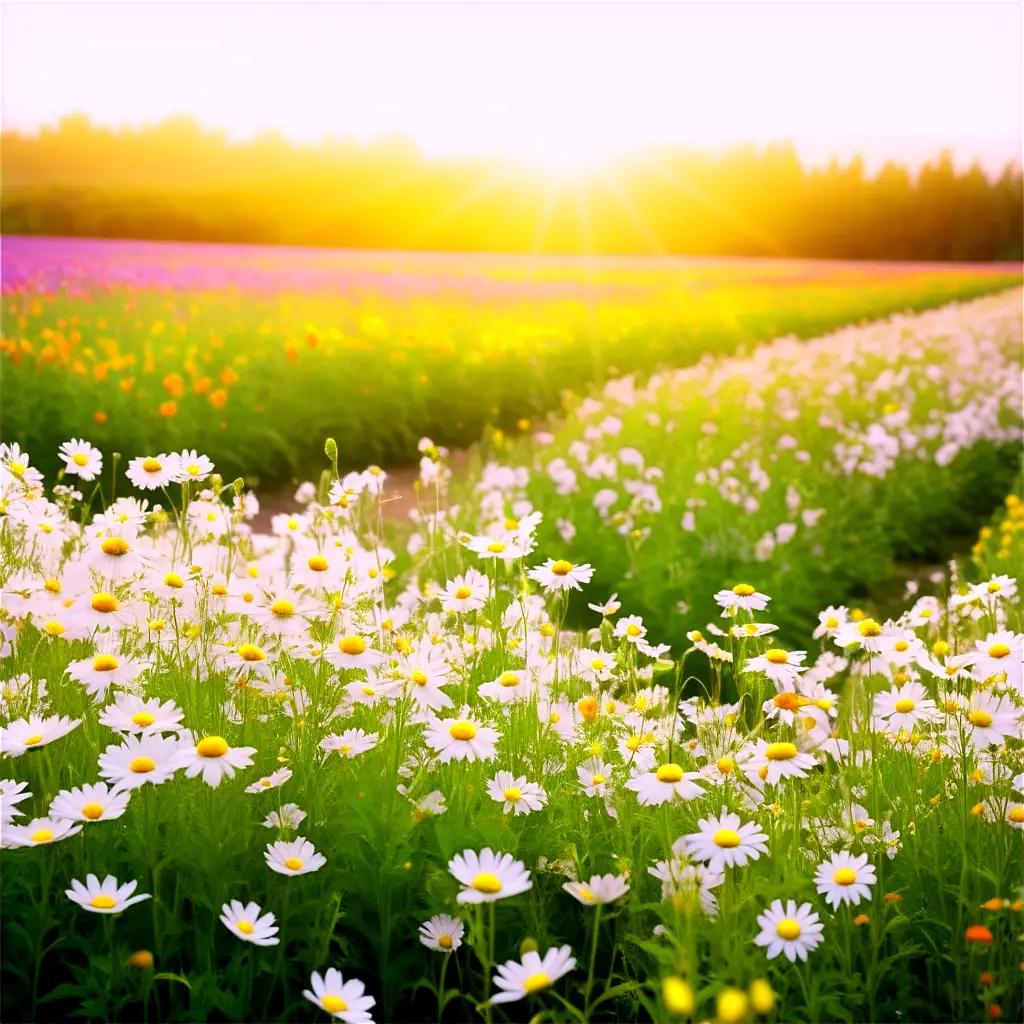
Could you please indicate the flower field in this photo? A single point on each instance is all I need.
(161, 346)
(618, 727)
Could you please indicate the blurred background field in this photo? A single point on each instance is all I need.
(255, 353)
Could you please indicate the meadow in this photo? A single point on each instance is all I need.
(250, 352)
(617, 727)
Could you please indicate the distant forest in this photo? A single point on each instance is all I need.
(176, 180)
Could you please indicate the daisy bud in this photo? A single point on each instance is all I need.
(528, 945)
(331, 449)
(762, 997)
(731, 1006)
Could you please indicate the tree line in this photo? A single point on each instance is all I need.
(176, 180)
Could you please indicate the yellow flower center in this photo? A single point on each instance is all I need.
(780, 751)
(152, 465)
(104, 603)
(54, 628)
(508, 679)
(33, 740)
(352, 645)
(845, 876)
(1016, 814)
(462, 730)
(212, 746)
(486, 882)
(92, 811)
(994, 588)
(727, 838)
(104, 663)
(669, 773)
(633, 629)
(562, 567)
(831, 622)
(141, 765)
(80, 459)
(496, 547)
(293, 863)
(788, 701)
(869, 627)
(42, 835)
(174, 581)
(743, 590)
(143, 718)
(317, 563)
(282, 608)
(980, 718)
(513, 794)
(334, 1004)
(419, 677)
(445, 941)
(52, 586)
(535, 982)
(598, 780)
(726, 765)
(776, 656)
(103, 902)
(245, 927)
(114, 546)
(999, 650)
(900, 645)
(462, 593)
(250, 652)
(904, 704)
(788, 929)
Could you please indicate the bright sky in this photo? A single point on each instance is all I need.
(563, 83)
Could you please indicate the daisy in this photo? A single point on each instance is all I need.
(556, 576)
(247, 924)
(461, 740)
(630, 628)
(115, 555)
(495, 549)
(350, 743)
(142, 759)
(33, 732)
(272, 781)
(442, 933)
(345, 1000)
(12, 793)
(149, 472)
(466, 593)
(783, 668)
(830, 621)
(488, 876)
(594, 776)
(741, 597)
(298, 857)
(214, 758)
(106, 897)
(724, 841)
(903, 707)
(991, 718)
(844, 878)
(600, 889)
(40, 831)
(190, 465)
(1000, 588)
(91, 802)
(770, 762)
(533, 974)
(509, 687)
(132, 714)
(517, 794)
(1015, 815)
(290, 816)
(790, 930)
(81, 459)
(666, 783)
(999, 655)
(352, 651)
(98, 673)
(610, 607)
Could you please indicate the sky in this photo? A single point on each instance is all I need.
(563, 84)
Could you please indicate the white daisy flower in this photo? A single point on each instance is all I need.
(271, 781)
(189, 465)
(600, 889)
(150, 472)
(466, 593)
(844, 878)
(667, 782)
(488, 876)
(460, 739)
(213, 758)
(517, 794)
(133, 714)
(742, 597)
(81, 459)
(290, 816)
(990, 718)
(556, 576)
(34, 732)
(345, 1000)
(248, 925)
(770, 762)
(40, 831)
(903, 707)
(106, 897)
(297, 857)
(142, 759)
(352, 651)
(105, 669)
(783, 668)
(790, 930)
(518, 979)
(442, 933)
(12, 793)
(92, 802)
(724, 841)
